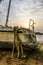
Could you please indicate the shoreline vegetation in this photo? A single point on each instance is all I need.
(38, 33)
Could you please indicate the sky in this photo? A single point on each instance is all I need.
(21, 12)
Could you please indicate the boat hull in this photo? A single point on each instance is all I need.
(9, 46)
(6, 45)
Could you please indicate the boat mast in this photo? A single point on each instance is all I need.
(8, 12)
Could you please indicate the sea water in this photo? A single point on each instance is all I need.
(39, 38)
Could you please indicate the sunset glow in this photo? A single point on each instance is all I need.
(21, 12)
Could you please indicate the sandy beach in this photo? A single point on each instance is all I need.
(33, 59)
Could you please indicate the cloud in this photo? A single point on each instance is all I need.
(22, 10)
(1, 8)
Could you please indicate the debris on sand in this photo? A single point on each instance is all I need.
(35, 58)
